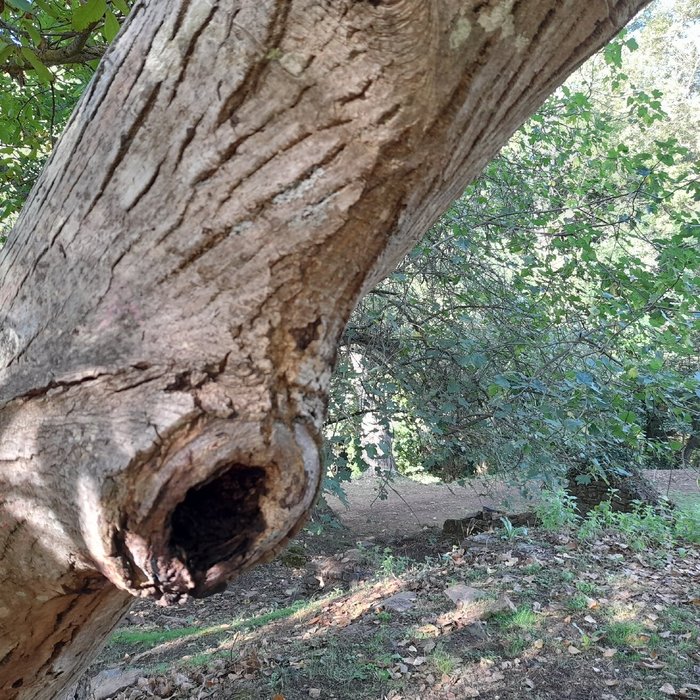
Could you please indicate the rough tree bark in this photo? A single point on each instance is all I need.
(235, 177)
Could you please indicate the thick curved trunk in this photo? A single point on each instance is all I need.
(235, 177)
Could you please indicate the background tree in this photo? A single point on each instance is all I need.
(549, 322)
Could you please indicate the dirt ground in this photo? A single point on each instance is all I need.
(410, 506)
(364, 612)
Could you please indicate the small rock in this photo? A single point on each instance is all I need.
(481, 538)
(476, 632)
(401, 602)
(355, 556)
(182, 681)
(462, 595)
(314, 692)
(110, 681)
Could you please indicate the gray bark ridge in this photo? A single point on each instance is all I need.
(236, 176)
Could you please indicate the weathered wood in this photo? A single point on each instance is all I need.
(623, 490)
(235, 177)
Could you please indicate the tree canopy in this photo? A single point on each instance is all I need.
(551, 318)
(48, 52)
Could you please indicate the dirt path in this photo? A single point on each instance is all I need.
(410, 506)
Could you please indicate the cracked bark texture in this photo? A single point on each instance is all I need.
(235, 177)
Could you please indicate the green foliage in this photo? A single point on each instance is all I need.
(523, 618)
(443, 661)
(48, 51)
(687, 523)
(550, 318)
(645, 528)
(625, 633)
(557, 510)
(150, 638)
(510, 532)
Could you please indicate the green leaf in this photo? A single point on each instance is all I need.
(111, 26)
(34, 33)
(657, 319)
(585, 378)
(89, 13)
(613, 54)
(628, 417)
(121, 6)
(21, 5)
(48, 8)
(42, 72)
(5, 53)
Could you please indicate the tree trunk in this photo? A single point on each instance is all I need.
(622, 490)
(235, 177)
(375, 434)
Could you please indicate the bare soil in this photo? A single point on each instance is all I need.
(562, 618)
(409, 506)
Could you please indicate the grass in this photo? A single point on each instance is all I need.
(515, 645)
(626, 633)
(578, 602)
(587, 588)
(443, 662)
(149, 638)
(523, 618)
(356, 651)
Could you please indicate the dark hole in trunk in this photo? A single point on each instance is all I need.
(218, 520)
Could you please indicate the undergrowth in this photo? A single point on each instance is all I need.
(646, 526)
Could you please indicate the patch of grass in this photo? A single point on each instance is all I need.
(377, 643)
(625, 633)
(444, 662)
(515, 644)
(680, 620)
(204, 658)
(386, 562)
(151, 638)
(579, 601)
(523, 618)
(336, 665)
(280, 614)
(587, 588)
